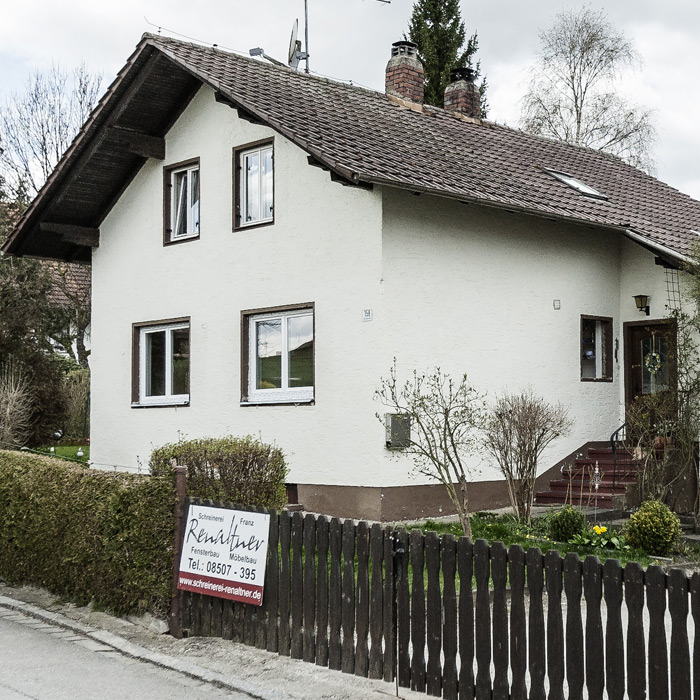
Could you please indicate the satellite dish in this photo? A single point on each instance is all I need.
(294, 46)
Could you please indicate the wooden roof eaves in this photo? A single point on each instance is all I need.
(671, 256)
(82, 141)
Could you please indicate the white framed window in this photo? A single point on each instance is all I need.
(280, 356)
(182, 209)
(596, 348)
(255, 192)
(162, 364)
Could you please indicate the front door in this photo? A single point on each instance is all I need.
(650, 358)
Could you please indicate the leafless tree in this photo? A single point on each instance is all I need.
(519, 428)
(572, 95)
(36, 128)
(16, 405)
(445, 415)
(38, 125)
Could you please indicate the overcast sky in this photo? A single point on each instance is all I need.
(351, 40)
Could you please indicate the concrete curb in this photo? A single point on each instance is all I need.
(136, 652)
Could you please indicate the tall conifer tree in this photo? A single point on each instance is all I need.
(436, 27)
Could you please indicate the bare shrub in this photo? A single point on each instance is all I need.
(16, 405)
(518, 430)
(77, 398)
(445, 416)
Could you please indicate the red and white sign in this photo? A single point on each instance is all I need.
(224, 553)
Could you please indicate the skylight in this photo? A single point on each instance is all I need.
(575, 184)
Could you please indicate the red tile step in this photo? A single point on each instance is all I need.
(576, 482)
(545, 498)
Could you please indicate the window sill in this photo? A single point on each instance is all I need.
(162, 404)
(280, 402)
(597, 379)
(182, 239)
(253, 224)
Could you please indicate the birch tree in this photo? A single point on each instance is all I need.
(573, 94)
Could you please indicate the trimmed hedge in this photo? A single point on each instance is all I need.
(237, 470)
(93, 536)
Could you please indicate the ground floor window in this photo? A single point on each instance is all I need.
(278, 352)
(162, 363)
(596, 348)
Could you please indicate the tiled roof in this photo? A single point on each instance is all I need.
(368, 137)
(363, 136)
(69, 279)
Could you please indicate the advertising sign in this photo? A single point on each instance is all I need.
(224, 553)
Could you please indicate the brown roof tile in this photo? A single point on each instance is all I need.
(364, 136)
(371, 138)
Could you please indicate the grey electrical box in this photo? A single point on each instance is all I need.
(398, 430)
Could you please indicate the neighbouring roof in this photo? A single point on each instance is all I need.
(71, 282)
(362, 136)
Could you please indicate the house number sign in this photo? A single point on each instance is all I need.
(224, 553)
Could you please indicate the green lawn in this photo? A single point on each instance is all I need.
(68, 452)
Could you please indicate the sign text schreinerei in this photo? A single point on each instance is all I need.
(224, 553)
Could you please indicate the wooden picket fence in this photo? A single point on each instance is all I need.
(459, 619)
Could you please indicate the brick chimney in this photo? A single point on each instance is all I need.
(404, 72)
(462, 95)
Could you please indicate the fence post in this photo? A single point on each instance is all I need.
(175, 622)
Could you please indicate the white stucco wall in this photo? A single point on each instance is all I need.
(464, 287)
(324, 247)
(472, 290)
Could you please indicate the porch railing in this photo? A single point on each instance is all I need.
(617, 440)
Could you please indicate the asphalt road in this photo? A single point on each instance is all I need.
(44, 662)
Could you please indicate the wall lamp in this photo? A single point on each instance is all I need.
(642, 301)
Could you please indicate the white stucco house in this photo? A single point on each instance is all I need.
(264, 243)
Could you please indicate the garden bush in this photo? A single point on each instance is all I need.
(238, 470)
(566, 523)
(653, 528)
(76, 388)
(89, 535)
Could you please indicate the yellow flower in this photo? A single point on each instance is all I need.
(599, 530)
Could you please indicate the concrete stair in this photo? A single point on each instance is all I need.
(576, 484)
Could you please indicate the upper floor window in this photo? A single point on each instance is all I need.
(182, 195)
(254, 186)
(596, 348)
(161, 363)
(278, 352)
